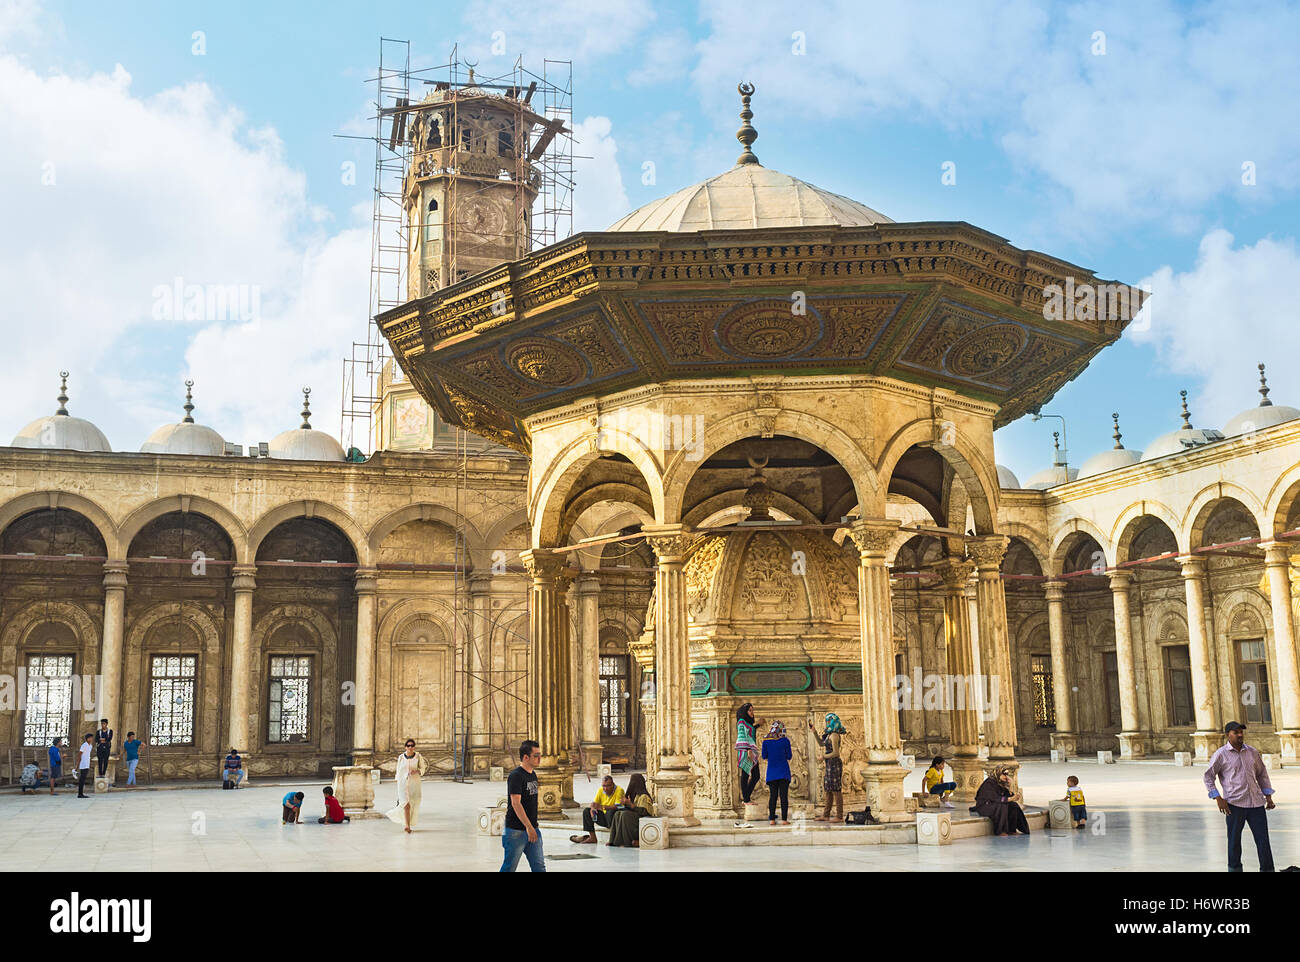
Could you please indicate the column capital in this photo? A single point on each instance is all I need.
(367, 580)
(480, 583)
(1193, 565)
(115, 573)
(1120, 579)
(955, 573)
(1054, 590)
(670, 542)
(873, 536)
(587, 583)
(243, 577)
(543, 564)
(1276, 553)
(987, 551)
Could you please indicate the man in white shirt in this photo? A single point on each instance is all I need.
(83, 766)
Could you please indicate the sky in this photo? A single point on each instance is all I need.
(148, 145)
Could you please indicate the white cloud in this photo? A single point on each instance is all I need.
(667, 58)
(599, 198)
(1164, 119)
(584, 31)
(19, 20)
(1220, 319)
(109, 197)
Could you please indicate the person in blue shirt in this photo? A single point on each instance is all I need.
(132, 748)
(234, 770)
(56, 765)
(292, 803)
(777, 753)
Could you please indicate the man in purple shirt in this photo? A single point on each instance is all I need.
(1246, 794)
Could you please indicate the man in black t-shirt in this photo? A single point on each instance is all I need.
(521, 835)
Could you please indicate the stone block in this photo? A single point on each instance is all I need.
(497, 774)
(923, 800)
(1183, 759)
(1272, 762)
(354, 787)
(907, 761)
(1058, 756)
(983, 753)
(753, 811)
(603, 770)
(933, 828)
(102, 784)
(1105, 758)
(491, 821)
(1058, 814)
(654, 833)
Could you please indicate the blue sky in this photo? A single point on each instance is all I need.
(1109, 136)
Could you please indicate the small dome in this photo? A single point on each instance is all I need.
(303, 443)
(1051, 477)
(1109, 461)
(185, 437)
(746, 197)
(1265, 415)
(1006, 478)
(60, 431)
(1184, 439)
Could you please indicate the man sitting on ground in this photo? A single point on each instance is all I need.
(234, 771)
(601, 811)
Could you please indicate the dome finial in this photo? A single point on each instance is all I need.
(306, 409)
(1263, 388)
(1118, 445)
(746, 134)
(1187, 417)
(189, 403)
(63, 395)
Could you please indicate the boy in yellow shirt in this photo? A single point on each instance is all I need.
(934, 783)
(1074, 795)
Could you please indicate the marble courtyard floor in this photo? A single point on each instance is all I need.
(1157, 818)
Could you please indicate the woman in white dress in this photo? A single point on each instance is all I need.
(410, 766)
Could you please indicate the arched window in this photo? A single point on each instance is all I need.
(430, 222)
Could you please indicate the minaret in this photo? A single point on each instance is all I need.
(470, 188)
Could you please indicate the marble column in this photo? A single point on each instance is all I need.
(967, 770)
(1206, 739)
(587, 590)
(674, 783)
(880, 737)
(242, 727)
(110, 657)
(1277, 562)
(1132, 742)
(549, 688)
(363, 706)
(999, 714)
(1064, 738)
(480, 663)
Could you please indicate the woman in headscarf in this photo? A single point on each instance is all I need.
(776, 750)
(747, 750)
(832, 783)
(410, 766)
(995, 801)
(637, 804)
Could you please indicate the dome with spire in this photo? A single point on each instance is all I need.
(1265, 415)
(303, 443)
(1184, 439)
(749, 196)
(60, 430)
(1117, 457)
(185, 437)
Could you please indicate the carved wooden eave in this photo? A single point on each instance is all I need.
(940, 304)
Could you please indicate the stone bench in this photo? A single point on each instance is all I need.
(926, 800)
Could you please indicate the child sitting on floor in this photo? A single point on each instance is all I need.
(333, 810)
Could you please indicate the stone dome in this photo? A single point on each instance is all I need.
(1108, 461)
(1051, 477)
(746, 197)
(1264, 415)
(185, 437)
(303, 443)
(1184, 439)
(1007, 478)
(61, 431)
